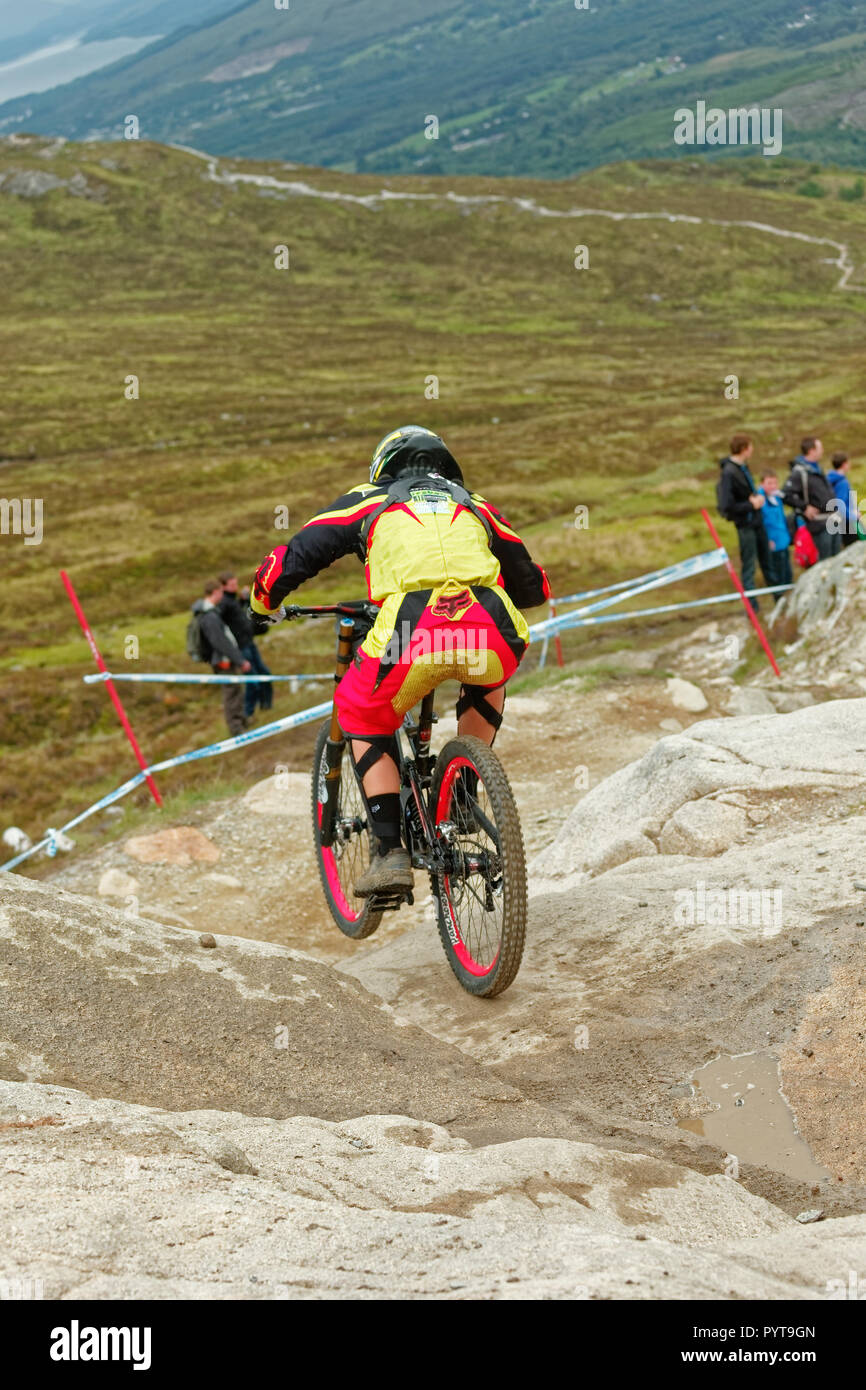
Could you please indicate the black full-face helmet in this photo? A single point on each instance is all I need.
(412, 449)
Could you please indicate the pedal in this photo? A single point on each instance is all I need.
(390, 902)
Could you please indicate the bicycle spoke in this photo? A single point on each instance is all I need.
(472, 888)
(348, 854)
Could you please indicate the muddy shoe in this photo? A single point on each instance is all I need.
(387, 873)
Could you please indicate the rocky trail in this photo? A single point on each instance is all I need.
(225, 1098)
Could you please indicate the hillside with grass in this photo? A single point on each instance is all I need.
(530, 89)
(261, 389)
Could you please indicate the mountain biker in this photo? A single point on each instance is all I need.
(449, 577)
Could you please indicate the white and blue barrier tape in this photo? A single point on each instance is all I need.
(685, 569)
(179, 678)
(622, 591)
(292, 721)
(579, 617)
(569, 620)
(679, 570)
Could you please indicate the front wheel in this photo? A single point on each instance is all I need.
(481, 899)
(342, 862)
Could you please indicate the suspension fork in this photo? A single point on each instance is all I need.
(335, 745)
(425, 725)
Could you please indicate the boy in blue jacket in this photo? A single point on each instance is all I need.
(848, 514)
(776, 527)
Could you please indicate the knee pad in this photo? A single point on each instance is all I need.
(475, 697)
(381, 745)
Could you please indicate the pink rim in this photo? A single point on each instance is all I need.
(330, 863)
(443, 805)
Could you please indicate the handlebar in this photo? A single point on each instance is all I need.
(352, 608)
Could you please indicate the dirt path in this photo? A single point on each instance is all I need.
(550, 744)
(299, 188)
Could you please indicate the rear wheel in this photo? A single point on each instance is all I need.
(481, 901)
(342, 862)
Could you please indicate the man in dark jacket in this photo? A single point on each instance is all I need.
(235, 613)
(741, 502)
(810, 493)
(225, 655)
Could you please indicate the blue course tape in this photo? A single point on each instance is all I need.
(698, 564)
(176, 678)
(292, 721)
(569, 620)
(580, 617)
(624, 590)
(677, 570)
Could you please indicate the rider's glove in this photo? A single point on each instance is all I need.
(262, 621)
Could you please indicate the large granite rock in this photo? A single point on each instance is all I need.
(822, 620)
(641, 809)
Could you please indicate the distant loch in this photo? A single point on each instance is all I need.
(63, 62)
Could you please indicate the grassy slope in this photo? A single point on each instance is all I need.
(534, 89)
(261, 388)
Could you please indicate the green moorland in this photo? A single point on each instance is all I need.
(263, 389)
(520, 87)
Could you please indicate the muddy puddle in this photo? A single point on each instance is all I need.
(751, 1118)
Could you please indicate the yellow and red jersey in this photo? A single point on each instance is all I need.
(436, 535)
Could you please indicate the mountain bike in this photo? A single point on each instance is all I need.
(459, 824)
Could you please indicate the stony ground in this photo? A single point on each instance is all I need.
(287, 1113)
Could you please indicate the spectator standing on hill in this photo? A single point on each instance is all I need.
(810, 493)
(225, 654)
(235, 613)
(741, 502)
(848, 513)
(776, 527)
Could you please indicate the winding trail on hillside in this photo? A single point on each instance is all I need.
(371, 201)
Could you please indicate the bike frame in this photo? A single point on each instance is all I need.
(442, 819)
(413, 744)
(416, 774)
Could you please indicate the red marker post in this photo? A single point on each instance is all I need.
(115, 698)
(557, 639)
(735, 579)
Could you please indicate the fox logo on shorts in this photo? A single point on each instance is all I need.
(449, 605)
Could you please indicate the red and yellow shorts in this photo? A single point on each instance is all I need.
(454, 632)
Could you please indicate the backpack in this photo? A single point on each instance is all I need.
(198, 648)
(805, 549)
(402, 490)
